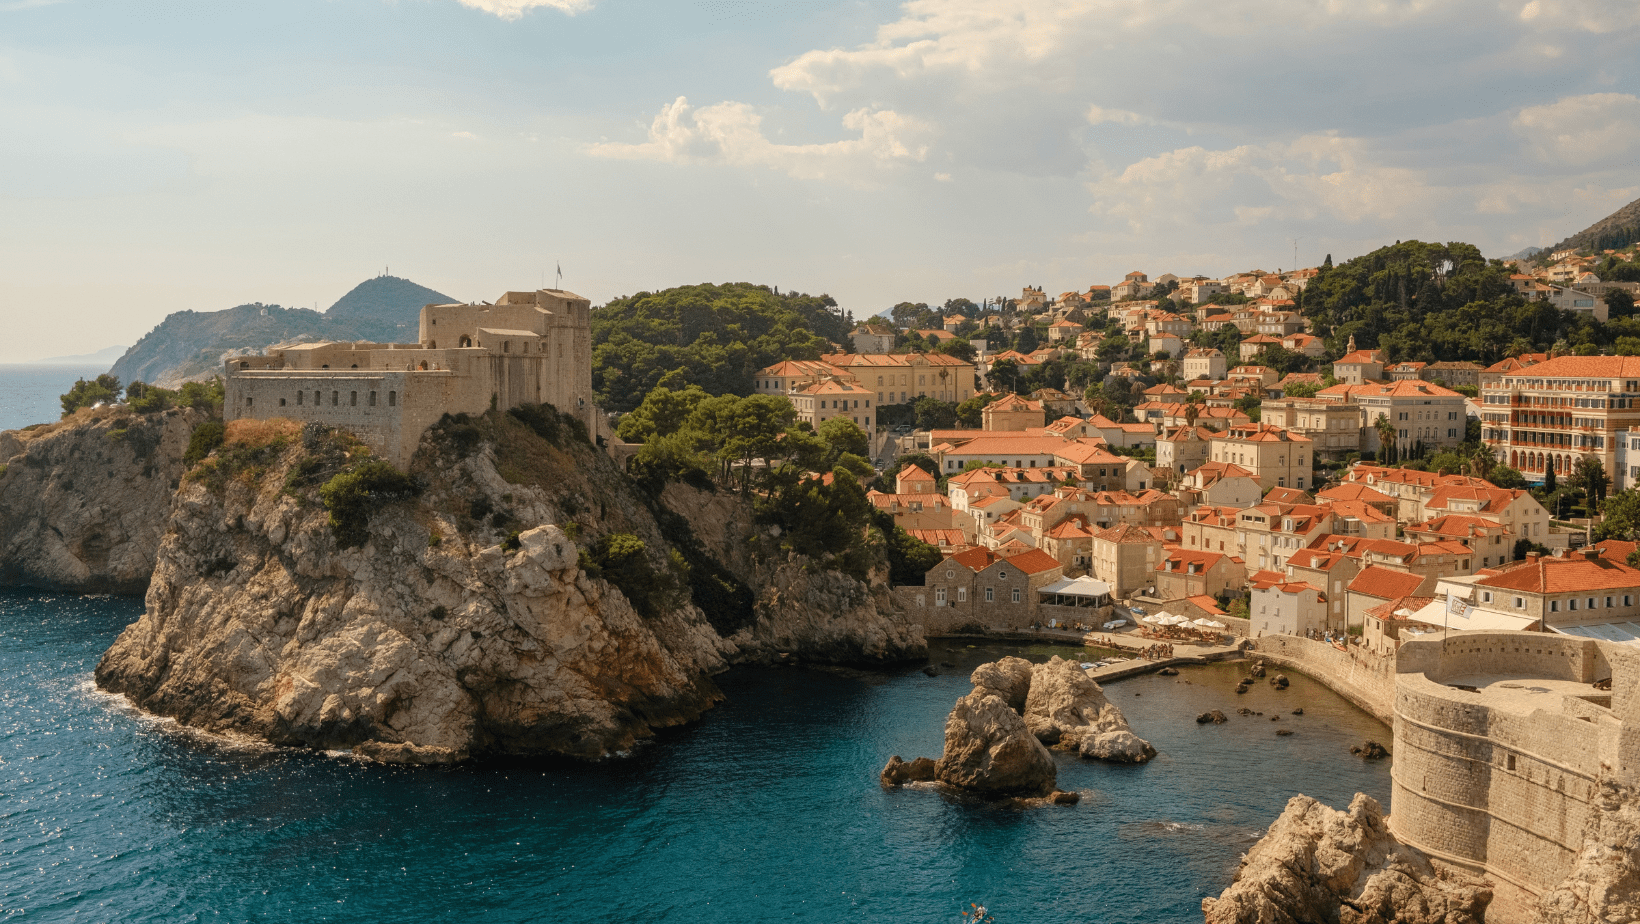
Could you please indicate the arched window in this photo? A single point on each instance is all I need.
(354, 366)
(422, 366)
(432, 344)
(299, 396)
(466, 341)
(244, 365)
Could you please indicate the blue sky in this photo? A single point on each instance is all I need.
(160, 156)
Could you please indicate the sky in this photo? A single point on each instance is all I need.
(164, 156)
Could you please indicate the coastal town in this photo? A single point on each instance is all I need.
(1360, 499)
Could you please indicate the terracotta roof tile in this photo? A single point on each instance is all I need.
(1385, 583)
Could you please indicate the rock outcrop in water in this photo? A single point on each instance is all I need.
(1065, 709)
(988, 750)
(84, 502)
(465, 620)
(1317, 864)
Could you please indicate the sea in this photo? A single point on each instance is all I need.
(30, 394)
(767, 809)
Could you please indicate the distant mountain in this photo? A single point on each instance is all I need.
(193, 344)
(104, 355)
(386, 298)
(1527, 254)
(1619, 229)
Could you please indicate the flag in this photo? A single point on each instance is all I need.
(560, 267)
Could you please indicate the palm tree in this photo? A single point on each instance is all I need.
(1386, 437)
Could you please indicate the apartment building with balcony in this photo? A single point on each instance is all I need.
(1544, 417)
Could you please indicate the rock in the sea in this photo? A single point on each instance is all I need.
(1283, 732)
(1279, 681)
(930, 671)
(1298, 711)
(1604, 884)
(1009, 678)
(988, 750)
(1257, 670)
(1060, 797)
(1215, 717)
(919, 770)
(1372, 750)
(1317, 864)
(1067, 710)
(1169, 672)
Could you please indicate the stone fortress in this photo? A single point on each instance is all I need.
(1501, 742)
(526, 348)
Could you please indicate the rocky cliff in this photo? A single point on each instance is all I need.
(1317, 864)
(483, 614)
(84, 502)
(1604, 885)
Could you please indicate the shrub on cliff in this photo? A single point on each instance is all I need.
(551, 424)
(350, 496)
(104, 389)
(205, 439)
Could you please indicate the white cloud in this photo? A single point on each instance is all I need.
(515, 9)
(732, 133)
(1582, 130)
(1098, 115)
(1597, 16)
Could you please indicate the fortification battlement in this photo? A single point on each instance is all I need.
(1500, 741)
(526, 348)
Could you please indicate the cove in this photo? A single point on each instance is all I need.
(767, 809)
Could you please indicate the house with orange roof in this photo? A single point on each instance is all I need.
(1330, 570)
(1126, 435)
(1124, 556)
(1203, 363)
(1387, 623)
(1333, 428)
(938, 334)
(823, 400)
(1572, 593)
(1353, 492)
(1548, 415)
(1020, 484)
(1211, 528)
(1219, 484)
(915, 511)
(1054, 402)
(1477, 533)
(1358, 367)
(996, 448)
(1422, 412)
(902, 378)
(1181, 449)
(1012, 412)
(780, 378)
(1377, 585)
(1252, 346)
(1269, 533)
(1253, 375)
(1097, 468)
(948, 541)
(1187, 573)
(952, 322)
(1406, 372)
(873, 337)
(1308, 344)
(1453, 374)
(1276, 320)
(1279, 605)
(1278, 458)
(981, 586)
(1357, 518)
(1616, 549)
(1494, 373)
(914, 479)
(1063, 330)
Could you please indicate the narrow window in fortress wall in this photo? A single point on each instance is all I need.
(335, 399)
(392, 399)
(372, 399)
(353, 399)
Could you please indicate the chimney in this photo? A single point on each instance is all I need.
(1532, 557)
(1591, 553)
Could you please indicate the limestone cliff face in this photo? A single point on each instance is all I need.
(1320, 864)
(1605, 884)
(464, 623)
(84, 502)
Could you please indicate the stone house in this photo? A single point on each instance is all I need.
(1568, 592)
(1220, 484)
(1186, 573)
(1269, 534)
(1277, 457)
(1278, 605)
(1359, 367)
(1124, 557)
(821, 401)
(902, 378)
(1204, 363)
(980, 586)
(1453, 374)
(1329, 570)
(1182, 449)
(1376, 585)
(1012, 413)
(873, 338)
(1333, 428)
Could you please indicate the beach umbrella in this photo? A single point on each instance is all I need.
(1209, 623)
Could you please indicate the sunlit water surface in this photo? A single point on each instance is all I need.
(768, 809)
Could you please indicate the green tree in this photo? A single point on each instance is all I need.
(104, 389)
(1386, 439)
(1506, 477)
(662, 412)
(1549, 485)
(842, 436)
(1589, 476)
(1620, 516)
(933, 414)
(970, 413)
(1619, 302)
(1028, 340)
(1300, 390)
(959, 348)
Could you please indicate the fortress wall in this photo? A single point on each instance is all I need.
(1363, 679)
(1495, 788)
(344, 401)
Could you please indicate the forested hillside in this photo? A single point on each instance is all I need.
(1429, 302)
(714, 336)
(1619, 229)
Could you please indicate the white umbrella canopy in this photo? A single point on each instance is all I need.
(1157, 619)
(1179, 621)
(1209, 623)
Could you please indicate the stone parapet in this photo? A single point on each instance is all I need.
(1363, 679)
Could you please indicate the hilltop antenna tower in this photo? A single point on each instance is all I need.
(1295, 251)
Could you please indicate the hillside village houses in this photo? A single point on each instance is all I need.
(1222, 486)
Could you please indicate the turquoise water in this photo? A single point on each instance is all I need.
(29, 394)
(766, 810)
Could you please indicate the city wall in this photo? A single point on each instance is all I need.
(1363, 679)
(1484, 783)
